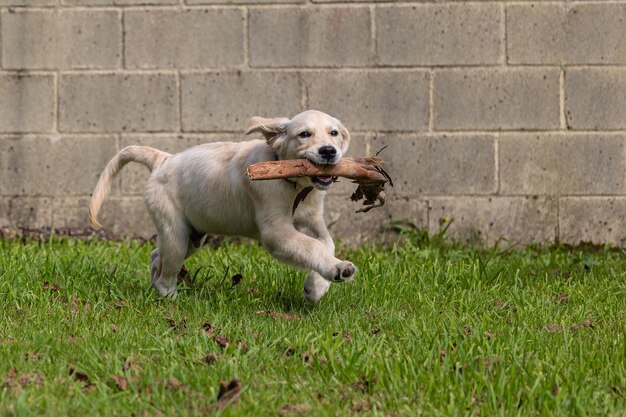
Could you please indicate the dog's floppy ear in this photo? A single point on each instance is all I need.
(346, 137)
(270, 128)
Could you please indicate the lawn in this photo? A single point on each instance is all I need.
(427, 328)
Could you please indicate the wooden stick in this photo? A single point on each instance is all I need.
(363, 170)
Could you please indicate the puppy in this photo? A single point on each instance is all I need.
(205, 190)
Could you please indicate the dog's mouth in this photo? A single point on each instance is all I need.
(323, 181)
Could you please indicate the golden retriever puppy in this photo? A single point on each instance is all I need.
(205, 190)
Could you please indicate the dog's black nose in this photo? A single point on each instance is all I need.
(327, 152)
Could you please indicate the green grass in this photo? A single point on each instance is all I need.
(427, 328)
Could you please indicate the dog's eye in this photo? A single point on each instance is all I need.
(304, 134)
(334, 133)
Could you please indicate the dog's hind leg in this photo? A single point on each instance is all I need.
(172, 242)
(172, 250)
(155, 265)
(195, 244)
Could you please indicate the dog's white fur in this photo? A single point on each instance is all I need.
(205, 190)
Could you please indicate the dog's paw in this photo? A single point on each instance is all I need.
(165, 292)
(344, 271)
(315, 287)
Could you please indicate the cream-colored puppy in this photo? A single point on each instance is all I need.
(205, 190)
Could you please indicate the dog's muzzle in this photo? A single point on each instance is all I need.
(323, 180)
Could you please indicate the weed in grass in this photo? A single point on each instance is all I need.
(428, 328)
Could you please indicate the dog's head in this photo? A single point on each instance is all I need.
(311, 135)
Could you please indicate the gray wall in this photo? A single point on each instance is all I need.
(507, 117)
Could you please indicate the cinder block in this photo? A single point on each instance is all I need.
(310, 37)
(595, 99)
(61, 39)
(597, 220)
(118, 2)
(25, 211)
(118, 102)
(373, 100)
(439, 164)
(497, 99)
(352, 1)
(225, 101)
(449, 34)
(34, 3)
(190, 38)
(562, 164)
(353, 229)
(27, 103)
(72, 212)
(134, 176)
(250, 2)
(48, 166)
(486, 220)
(122, 216)
(566, 33)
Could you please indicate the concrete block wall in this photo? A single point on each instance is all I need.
(507, 118)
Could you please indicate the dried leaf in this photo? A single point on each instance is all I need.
(229, 390)
(82, 378)
(31, 356)
(243, 346)
(15, 380)
(366, 384)
(9, 379)
(79, 376)
(184, 276)
(229, 393)
(129, 364)
(74, 305)
(553, 328)
(175, 384)
(222, 341)
(121, 382)
(254, 291)
(289, 409)
(175, 324)
(491, 361)
(585, 323)
(236, 279)
(51, 287)
(361, 407)
(210, 358)
(208, 329)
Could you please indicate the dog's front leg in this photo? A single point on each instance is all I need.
(289, 245)
(315, 286)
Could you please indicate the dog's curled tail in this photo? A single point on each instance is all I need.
(149, 157)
